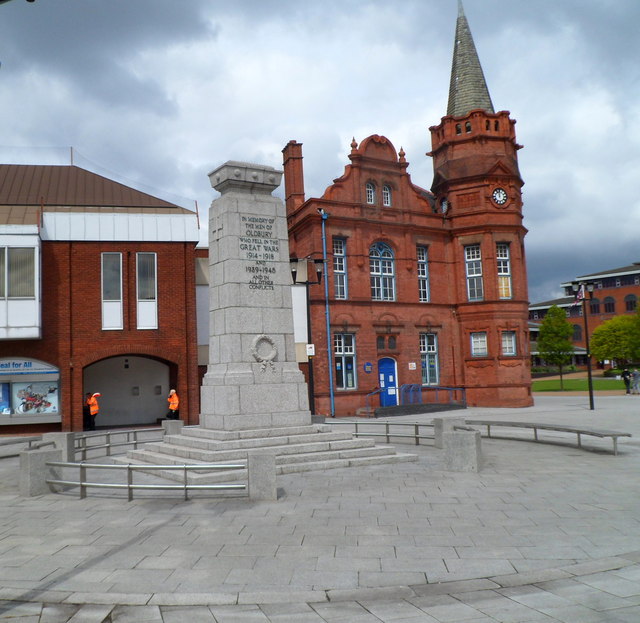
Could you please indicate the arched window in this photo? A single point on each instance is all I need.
(371, 193)
(487, 125)
(458, 128)
(386, 195)
(630, 302)
(577, 333)
(594, 306)
(392, 342)
(380, 342)
(382, 272)
(496, 125)
(609, 305)
(467, 127)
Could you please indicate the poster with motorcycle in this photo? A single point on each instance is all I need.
(35, 398)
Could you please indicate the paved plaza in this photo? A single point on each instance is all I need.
(546, 532)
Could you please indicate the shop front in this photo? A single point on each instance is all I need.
(29, 392)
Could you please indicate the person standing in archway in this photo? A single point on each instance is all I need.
(174, 403)
(94, 409)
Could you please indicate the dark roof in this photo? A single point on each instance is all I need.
(633, 268)
(24, 188)
(565, 300)
(468, 88)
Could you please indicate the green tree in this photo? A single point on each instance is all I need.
(617, 338)
(554, 340)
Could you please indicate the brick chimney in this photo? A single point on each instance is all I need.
(293, 176)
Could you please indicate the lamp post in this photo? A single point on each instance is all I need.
(580, 288)
(324, 216)
(300, 275)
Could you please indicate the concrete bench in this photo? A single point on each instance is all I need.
(536, 426)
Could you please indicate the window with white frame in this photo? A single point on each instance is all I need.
(509, 348)
(382, 272)
(112, 291)
(17, 272)
(479, 346)
(344, 357)
(429, 358)
(371, 192)
(423, 274)
(504, 270)
(473, 264)
(147, 288)
(340, 268)
(386, 196)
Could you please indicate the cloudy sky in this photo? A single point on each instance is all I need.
(157, 93)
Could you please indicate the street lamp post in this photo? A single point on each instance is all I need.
(324, 216)
(580, 288)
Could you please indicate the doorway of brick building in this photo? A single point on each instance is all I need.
(388, 381)
(134, 389)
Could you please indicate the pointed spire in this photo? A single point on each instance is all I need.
(468, 88)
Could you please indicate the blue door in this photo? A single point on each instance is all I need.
(388, 382)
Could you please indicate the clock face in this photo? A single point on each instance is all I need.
(500, 196)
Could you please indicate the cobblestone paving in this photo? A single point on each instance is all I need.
(546, 532)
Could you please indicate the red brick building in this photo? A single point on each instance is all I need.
(97, 294)
(426, 288)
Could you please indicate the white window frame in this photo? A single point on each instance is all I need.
(5, 277)
(382, 272)
(509, 344)
(429, 358)
(147, 308)
(386, 196)
(424, 294)
(340, 281)
(473, 267)
(370, 189)
(479, 344)
(112, 308)
(344, 355)
(503, 260)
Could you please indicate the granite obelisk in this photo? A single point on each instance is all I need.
(252, 379)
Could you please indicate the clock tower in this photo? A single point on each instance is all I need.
(477, 188)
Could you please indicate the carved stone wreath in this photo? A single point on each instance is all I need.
(264, 351)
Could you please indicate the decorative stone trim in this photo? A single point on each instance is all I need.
(264, 351)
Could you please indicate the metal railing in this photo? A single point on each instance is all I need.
(114, 439)
(83, 483)
(416, 435)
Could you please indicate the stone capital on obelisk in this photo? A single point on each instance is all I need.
(252, 379)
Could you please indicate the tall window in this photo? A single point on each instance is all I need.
(386, 195)
(340, 268)
(429, 358)
(423, 274)
(504, 270)
(479, 344)
(147, 291)
(631, 302)
(17, 272)
(609, 305)
(371, 192)
(509, 348)
(473, 261)
(594, 306)
(344, 349)
(381, 268)
(112, 291)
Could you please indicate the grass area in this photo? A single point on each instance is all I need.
(576, 385)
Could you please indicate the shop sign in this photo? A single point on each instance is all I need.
(25, 366)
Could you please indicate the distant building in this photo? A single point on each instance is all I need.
(97, 294)
(426, 287)
(615, 293)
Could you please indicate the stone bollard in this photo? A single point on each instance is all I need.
(65, 442)
(261, 469)
(440, 425)
(34, 471)
(462, 450)
(172, 427)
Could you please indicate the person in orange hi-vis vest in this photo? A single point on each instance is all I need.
(94, 409)
(174, 403)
